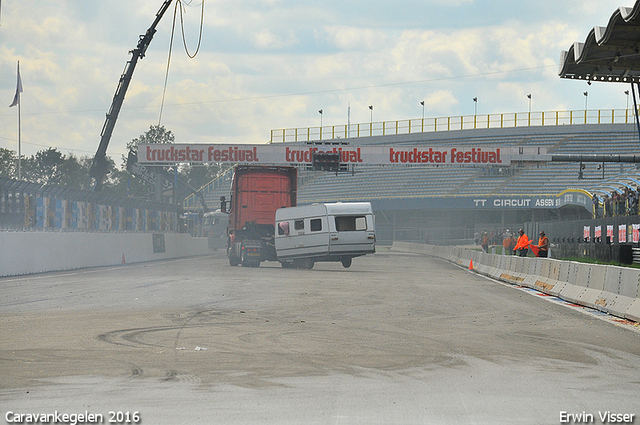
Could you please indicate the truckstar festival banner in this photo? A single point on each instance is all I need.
(285, 154)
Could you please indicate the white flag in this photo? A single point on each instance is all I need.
(16, 98)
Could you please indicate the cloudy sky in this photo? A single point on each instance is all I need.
(272, 64)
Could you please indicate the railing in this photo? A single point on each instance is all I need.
(465, 122)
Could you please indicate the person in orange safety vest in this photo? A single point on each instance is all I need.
(522, 245)
(543, 246)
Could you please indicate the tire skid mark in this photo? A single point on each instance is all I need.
(133, 337)
(193, 319)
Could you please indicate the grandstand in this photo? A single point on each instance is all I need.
(443, 202)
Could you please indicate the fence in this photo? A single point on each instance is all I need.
(465, 122)
(605, 239)
(33, 206)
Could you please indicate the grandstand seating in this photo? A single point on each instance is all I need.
(395, 182)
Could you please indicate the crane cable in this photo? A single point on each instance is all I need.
(184, 39)
(179, 5)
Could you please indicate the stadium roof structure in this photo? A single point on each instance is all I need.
(609, 54)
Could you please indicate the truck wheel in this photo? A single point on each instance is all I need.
(233, 260)
(346, 262)
(308, 264)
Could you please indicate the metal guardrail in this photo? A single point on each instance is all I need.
(464, 122)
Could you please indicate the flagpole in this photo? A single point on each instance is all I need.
(18, 91)
(19, 142)
(16, 101)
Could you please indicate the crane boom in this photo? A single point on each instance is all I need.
(100, 165)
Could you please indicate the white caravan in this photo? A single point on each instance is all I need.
(324, 232)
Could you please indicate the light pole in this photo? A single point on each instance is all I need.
(371, 108)
(371, 122)
(529, 97)
(422, 103)
(321, 113)
(586, 99)
(627, 93)
(475, 111)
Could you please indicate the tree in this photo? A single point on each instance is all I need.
(45, 167)
(198, 175)
(49, 166)
(156, 134)
(75, 172)
(8, 163)
(123, 183)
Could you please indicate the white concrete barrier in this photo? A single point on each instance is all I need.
(612, 289)
(499, 264)
(508, 274)
(38, 252)
(555, 276)
(576, 286)
(544, 280)
(593, 285)
(484, 263)
(619, 291)
(633, 312)
(518, 266)
(533, 272)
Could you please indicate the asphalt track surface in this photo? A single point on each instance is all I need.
(395, 339)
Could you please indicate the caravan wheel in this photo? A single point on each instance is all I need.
(346, 262)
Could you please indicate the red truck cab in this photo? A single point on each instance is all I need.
(256, 193)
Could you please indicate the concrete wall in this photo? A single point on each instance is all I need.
(37, 252)
(612, 289)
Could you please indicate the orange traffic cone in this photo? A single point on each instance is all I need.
(123, 260)
(470, 264)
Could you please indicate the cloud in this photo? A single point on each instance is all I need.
(267, 40)
(354, 38)
(272, 65)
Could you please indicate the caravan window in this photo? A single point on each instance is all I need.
(283, 228)
(316, 225)
(351, 223)
(298, 225)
